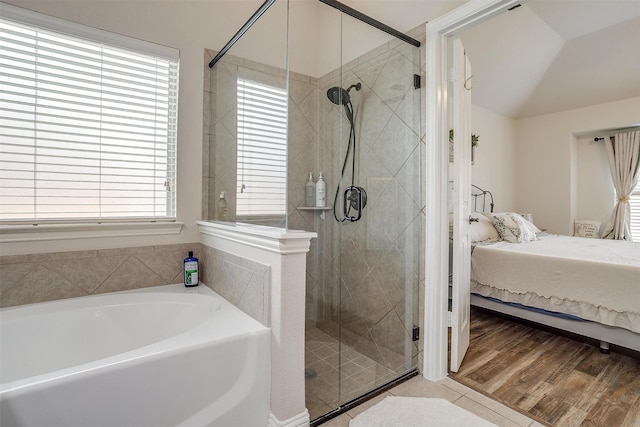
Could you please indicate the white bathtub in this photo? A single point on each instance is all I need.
(162, 356)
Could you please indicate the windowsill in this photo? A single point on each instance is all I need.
(34, 233)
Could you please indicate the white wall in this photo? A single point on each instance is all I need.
(494, 166)
(595, 195)
(512, 47)
(547, 163)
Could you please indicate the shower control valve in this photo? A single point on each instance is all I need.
(354, 198)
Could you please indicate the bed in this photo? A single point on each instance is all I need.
(586, 286)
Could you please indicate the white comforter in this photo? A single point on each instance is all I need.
(594, 279)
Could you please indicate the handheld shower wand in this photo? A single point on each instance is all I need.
(354, 197)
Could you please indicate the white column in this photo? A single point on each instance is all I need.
(285, 252)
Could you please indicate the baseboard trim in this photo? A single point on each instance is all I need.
(300, 420)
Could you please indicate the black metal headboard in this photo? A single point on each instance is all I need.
(481, 194)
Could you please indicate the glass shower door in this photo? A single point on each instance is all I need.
(379, 252)
(369, 149)
(337, 96)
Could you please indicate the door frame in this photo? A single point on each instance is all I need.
(460, 279)
(436, 315)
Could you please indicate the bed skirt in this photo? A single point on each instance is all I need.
(603, 333)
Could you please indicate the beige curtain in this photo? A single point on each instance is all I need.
(624, 161)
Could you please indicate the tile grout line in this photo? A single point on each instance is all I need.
(468, 393)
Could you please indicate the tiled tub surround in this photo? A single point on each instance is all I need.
(241, 281)
(26, 279)
(245, 283)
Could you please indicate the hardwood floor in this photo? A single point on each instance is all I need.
(553, 379)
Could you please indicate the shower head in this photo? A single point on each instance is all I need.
(340, 96)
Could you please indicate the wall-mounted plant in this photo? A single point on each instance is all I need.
(474, 143)
(474, 138)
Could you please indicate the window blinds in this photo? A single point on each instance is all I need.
(87, 130)
(634, 202)
(262, 149)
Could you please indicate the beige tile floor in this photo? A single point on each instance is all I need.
(359, 374)
(454, 392)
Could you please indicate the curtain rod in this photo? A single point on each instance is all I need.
(609, 132)
(373, 22)
(261, 10)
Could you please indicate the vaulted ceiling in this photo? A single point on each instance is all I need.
(548, 56)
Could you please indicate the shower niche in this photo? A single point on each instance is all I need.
(310, 89)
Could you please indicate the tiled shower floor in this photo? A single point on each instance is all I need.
(360, 374)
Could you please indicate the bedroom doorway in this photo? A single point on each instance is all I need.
(460, 179)
(439, 60)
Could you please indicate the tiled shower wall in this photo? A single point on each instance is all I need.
(382, 271)
(381, 268)
(219, 157)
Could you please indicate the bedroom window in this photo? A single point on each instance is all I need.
(262, 149)
(88, 123)
(634, 202)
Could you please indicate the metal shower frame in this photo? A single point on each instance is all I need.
(333, 3)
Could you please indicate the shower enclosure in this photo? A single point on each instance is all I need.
(331, 94)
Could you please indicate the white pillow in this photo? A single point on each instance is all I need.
(483, 229)
(531, 226)
(587, 228)
(513, 228)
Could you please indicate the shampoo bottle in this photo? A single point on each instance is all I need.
(321, 190)
(310, 192)
(191, 270)
(221, 213)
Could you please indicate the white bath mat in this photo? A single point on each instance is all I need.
(417, 412)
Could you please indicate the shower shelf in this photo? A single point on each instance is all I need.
(313, 208)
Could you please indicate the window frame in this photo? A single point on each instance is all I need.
(73, 228)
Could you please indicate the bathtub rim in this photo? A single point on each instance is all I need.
(191, 339)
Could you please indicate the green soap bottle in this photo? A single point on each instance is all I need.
(191, 270)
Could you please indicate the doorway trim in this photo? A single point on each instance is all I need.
(436, 317)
